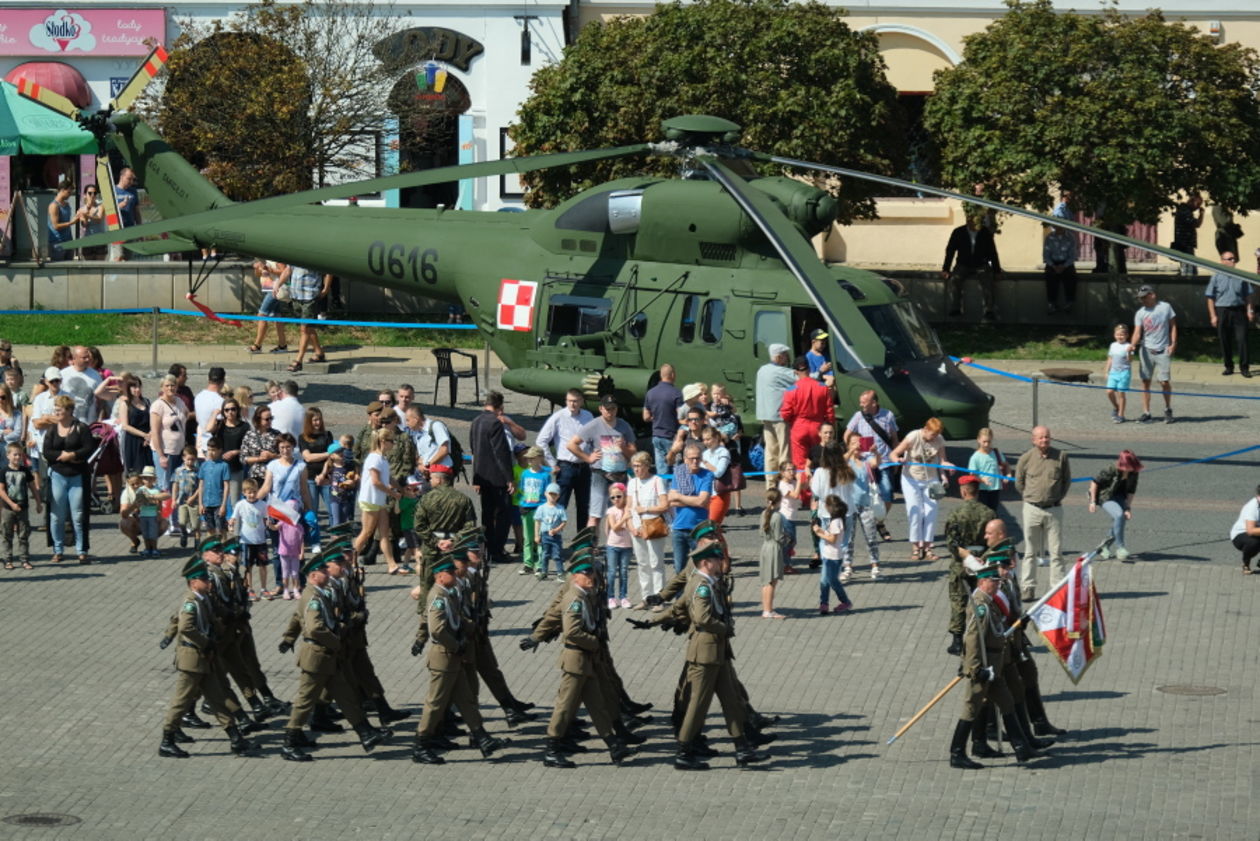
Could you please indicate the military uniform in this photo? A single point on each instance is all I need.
(442, 514)
(964, 528)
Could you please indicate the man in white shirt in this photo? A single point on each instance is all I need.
(573, 474)
(80, 381)
(207, 404)
(287, 414)
(431, 437)
(403, 397)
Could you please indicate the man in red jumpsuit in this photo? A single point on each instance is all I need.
(806, 406)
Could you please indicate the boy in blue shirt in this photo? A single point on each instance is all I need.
(551, 519)
(213, 475)
(531, 485)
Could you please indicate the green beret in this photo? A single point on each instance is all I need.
(444, 563)
(210, 544)
(316, 562)
(988, 571)
(343, 544)
(581, 563)
(705, 529)
(704, 553)
(195, 568)
(581, 542)
(346, 528)
(334, 555)
(232, 546)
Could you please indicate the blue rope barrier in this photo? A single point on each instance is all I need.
(1048, 381)
(284, 320)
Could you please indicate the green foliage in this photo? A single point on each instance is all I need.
(1126, 112)
(279, 96)
(794, 75)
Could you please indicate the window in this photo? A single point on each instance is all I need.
(638, 326)
(906, 336)
(923, 156)
(690, 312)
(711, 321)
(570, 315)
(770, 327)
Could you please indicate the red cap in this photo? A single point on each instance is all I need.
(439, 468)
(968, 479)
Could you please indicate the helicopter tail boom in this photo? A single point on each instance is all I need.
(172, 183)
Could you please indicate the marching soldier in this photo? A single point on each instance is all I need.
(578, 682)
(984, 654)
(964, 529)
(448, 669)
(323, 637)
(245, 630)
(708, 662)
(441, 515)
(195, 674)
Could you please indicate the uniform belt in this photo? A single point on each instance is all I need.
(188, 644)
(571, 647)
(1045, 506)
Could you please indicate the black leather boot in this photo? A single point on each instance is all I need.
(521, 706)
(424, 754)
(746, 755)
(292, 750)
(322, 722)
(370, 736)
(617, 749)
(568, 745)
(170, 748)
(261, 711)
(302, 740)
(450, 725)
(958, 747)
(484, 742)
(191, 719)
(1037, 712)
(635, 708)
(1021, 714)
(440, 742)
(387, 714)
(182, 738)
(275, 705)
(245, 723)
(979, 736)
(764, 721)
(956, 646)
(701, 748)
(237, 741)
(623, 733)
(514, 716)
(553, 756)
(1015, 732)
(758, 738)
(686, 759)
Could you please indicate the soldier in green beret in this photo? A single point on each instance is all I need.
(323, 635)
(195, 675)
(448, 672)
(442, 514)
(964, 529)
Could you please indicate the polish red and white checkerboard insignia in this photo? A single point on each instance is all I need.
(516, 304)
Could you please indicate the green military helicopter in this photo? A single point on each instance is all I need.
(704, 272)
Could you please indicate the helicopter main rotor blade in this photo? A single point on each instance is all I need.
(799, 256)
(1119, 239)
(105, 192)
(48, 99)
(150, 67)
(234, 212)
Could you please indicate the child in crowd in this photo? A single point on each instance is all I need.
(150, 500)
(830, 531)
(407, 522)
(550, 518)
(289, 547)
(531, 484)
(129, 511)
(724, 418)
(213, 491)
(14, 379)
(185, 488)
(987, 459)
(617, 545)
(249, 522)
(861, 515)
(789, 502)
(19, 488)
(1119, 370)
(340, 475)
(778, 535)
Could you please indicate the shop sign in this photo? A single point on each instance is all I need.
(69, 32)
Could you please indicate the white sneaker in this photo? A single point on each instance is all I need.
(1043, 561)
(612, 603)
(625, 603)
(874, 572)
(846, 574)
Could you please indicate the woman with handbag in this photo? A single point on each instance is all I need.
(648, 503)
(921, 484)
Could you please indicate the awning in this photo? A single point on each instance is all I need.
(33, 129)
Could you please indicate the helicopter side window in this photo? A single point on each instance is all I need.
(571, 315)
(690, 312)
(770, 327)
(711, 321)
(638, 325)
(906, 336)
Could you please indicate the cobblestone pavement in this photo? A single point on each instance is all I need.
(83, 688)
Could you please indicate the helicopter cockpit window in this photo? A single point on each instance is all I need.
(906, 336)
(638, 325)
(711, 322)
(690, 312)
(571, 315)
(590, 214)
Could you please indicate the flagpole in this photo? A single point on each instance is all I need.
(913, 721)
(1085, 560)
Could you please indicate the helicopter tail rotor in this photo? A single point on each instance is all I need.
(139, 80)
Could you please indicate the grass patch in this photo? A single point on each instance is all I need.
(1074, 344)
(52, 330)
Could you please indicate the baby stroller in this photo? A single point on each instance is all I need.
(106, 460)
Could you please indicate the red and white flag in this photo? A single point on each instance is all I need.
(284, 512)
(1071, 622)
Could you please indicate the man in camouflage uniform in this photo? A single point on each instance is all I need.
(964, 529)
(195, 673)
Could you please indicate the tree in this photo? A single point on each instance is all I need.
(304, 73)
(1126, 112)
(794, 75)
